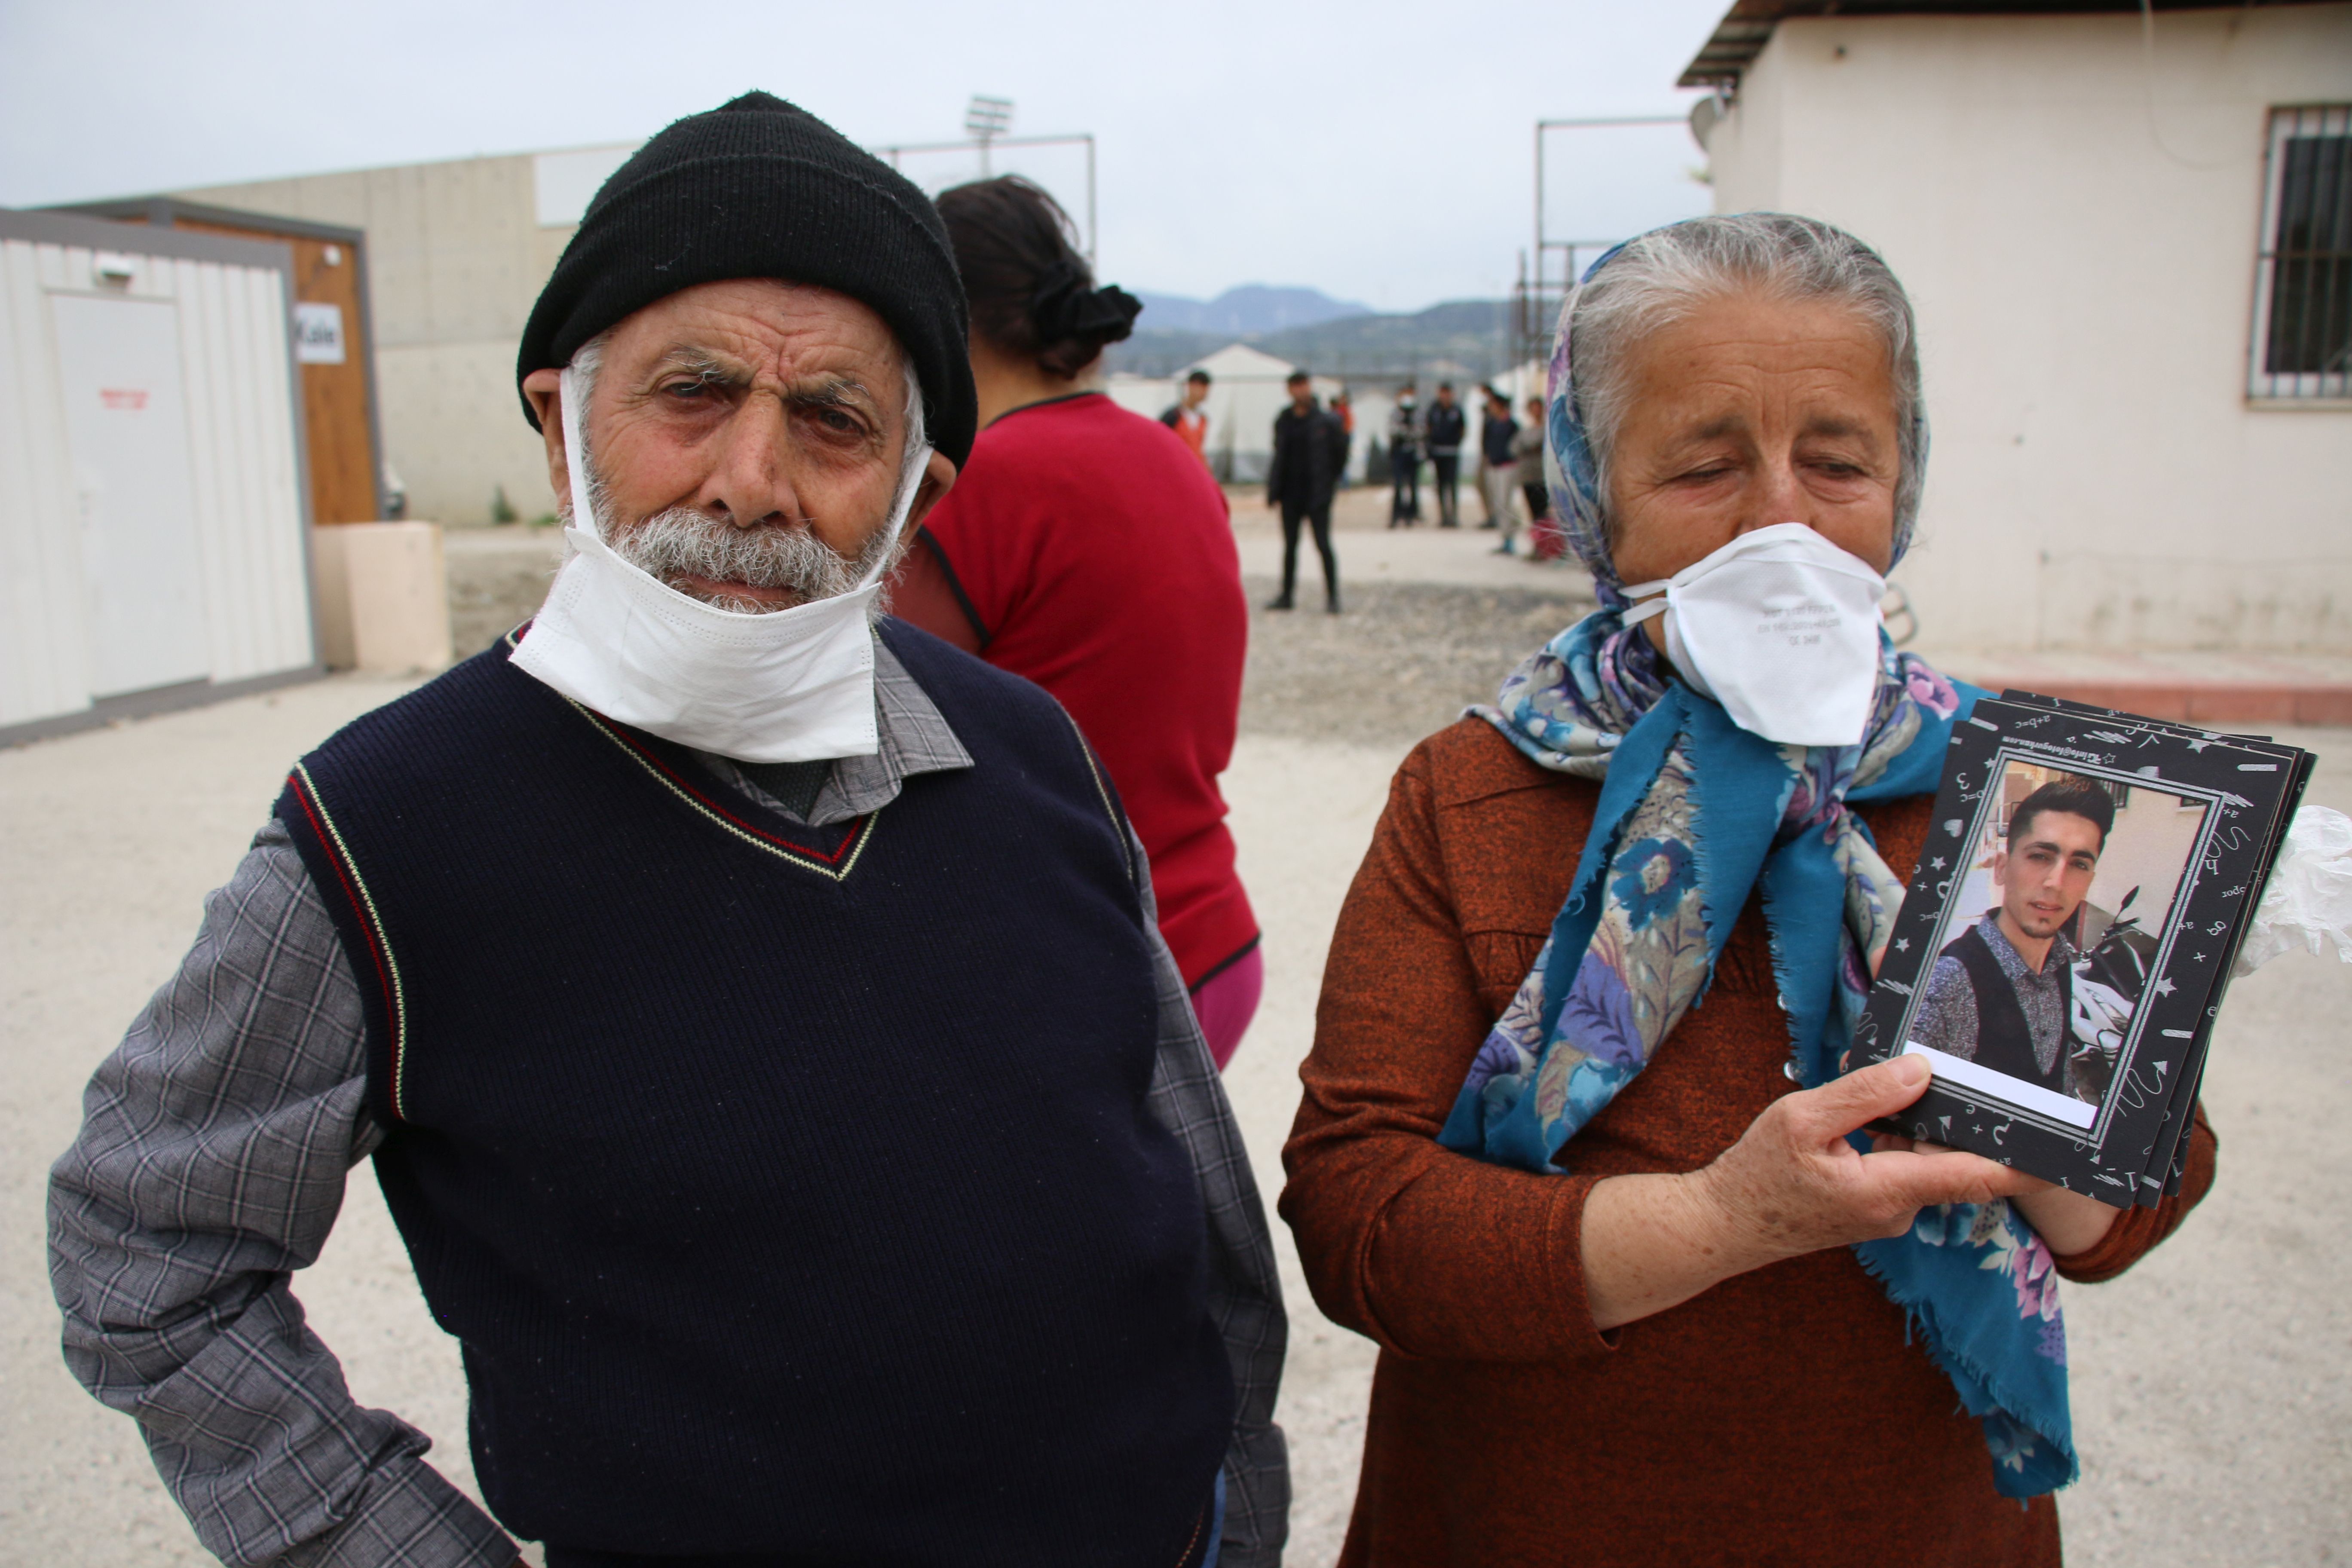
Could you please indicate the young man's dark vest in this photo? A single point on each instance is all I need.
(792, 1191)
(2004, 1039)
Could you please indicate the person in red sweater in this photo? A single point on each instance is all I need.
(1089, 549)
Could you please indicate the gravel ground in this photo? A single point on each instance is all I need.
(1403, 660)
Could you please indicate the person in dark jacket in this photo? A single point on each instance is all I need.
(1498, 468)
(1404, 460)
(1309, 447)
(1442, 431)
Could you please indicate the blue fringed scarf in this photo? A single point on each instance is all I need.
(1695, 815)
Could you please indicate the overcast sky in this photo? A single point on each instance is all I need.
(1379, 151)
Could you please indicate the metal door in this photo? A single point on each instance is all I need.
(127, 431)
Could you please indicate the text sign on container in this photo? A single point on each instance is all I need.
(1992, 1085)
(318, 333)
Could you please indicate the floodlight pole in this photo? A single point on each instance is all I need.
(1545, 245)
(892, 152)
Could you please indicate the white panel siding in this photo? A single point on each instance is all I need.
(210, 410)
(281, 576)
(248, 505)
(44, 662)
(239, 392)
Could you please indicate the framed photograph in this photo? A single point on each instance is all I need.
(2170, 1154)
(2060, 951)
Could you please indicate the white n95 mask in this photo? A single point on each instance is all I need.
(789, 686)
(1781, 627)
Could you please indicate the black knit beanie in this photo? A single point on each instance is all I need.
(758, 188)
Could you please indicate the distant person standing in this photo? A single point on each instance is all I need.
(1404, 460)
(1343, 409)
(1188, 418)
(1498, 469)
(1442, 433)
(1092, 554)
(1545, 540)
(1309, 447)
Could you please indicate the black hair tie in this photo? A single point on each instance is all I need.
(1064, 307)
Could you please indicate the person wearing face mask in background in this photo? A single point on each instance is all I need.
(1085, 550)
(1574, 1145)
(753, 1007)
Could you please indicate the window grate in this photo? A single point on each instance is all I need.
(2303, 283)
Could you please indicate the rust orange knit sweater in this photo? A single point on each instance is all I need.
(1779, 1417)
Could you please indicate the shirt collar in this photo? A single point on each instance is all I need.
(916, 739)
(2012, 963)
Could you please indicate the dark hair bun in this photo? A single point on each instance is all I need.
(1031, 292)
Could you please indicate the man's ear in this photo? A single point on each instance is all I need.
(544, 388)
(2001, 867)
(939, 478)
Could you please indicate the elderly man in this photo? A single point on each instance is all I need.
(756, 1017)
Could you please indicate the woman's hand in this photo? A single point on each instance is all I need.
(2068, 1221)
(1792, 1184)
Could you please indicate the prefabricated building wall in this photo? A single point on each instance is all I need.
(154, 513)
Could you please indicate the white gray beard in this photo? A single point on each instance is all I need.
(675, 545)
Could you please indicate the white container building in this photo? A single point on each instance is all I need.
(153, 507)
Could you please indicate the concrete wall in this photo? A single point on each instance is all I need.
(2083, 267)
(457, 253)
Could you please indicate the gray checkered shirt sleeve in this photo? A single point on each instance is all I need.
(214, 1147)
(1188, 1098)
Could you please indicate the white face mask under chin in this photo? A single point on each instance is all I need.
(1781, 627)
(789, 686)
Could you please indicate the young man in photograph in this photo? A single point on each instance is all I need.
(2000, 994)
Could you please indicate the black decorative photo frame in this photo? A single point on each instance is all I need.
(2060, 955)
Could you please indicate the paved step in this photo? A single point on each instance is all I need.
(2183, 686)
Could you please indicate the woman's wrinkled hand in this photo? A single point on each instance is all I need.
(1794, 1184)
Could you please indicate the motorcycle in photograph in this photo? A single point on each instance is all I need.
(2108, 979)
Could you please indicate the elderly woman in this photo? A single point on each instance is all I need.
(1575, 1148)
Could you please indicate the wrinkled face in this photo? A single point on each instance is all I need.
(748, 437)
(2045, 872)
(1749, 412)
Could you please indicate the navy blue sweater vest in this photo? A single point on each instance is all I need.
(792, 1192)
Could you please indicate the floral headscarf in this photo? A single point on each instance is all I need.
(1695, 815)
(1574, 479)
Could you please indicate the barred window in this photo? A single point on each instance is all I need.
(2303, 286)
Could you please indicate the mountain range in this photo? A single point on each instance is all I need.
(1251, 309)
(1462, 339)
